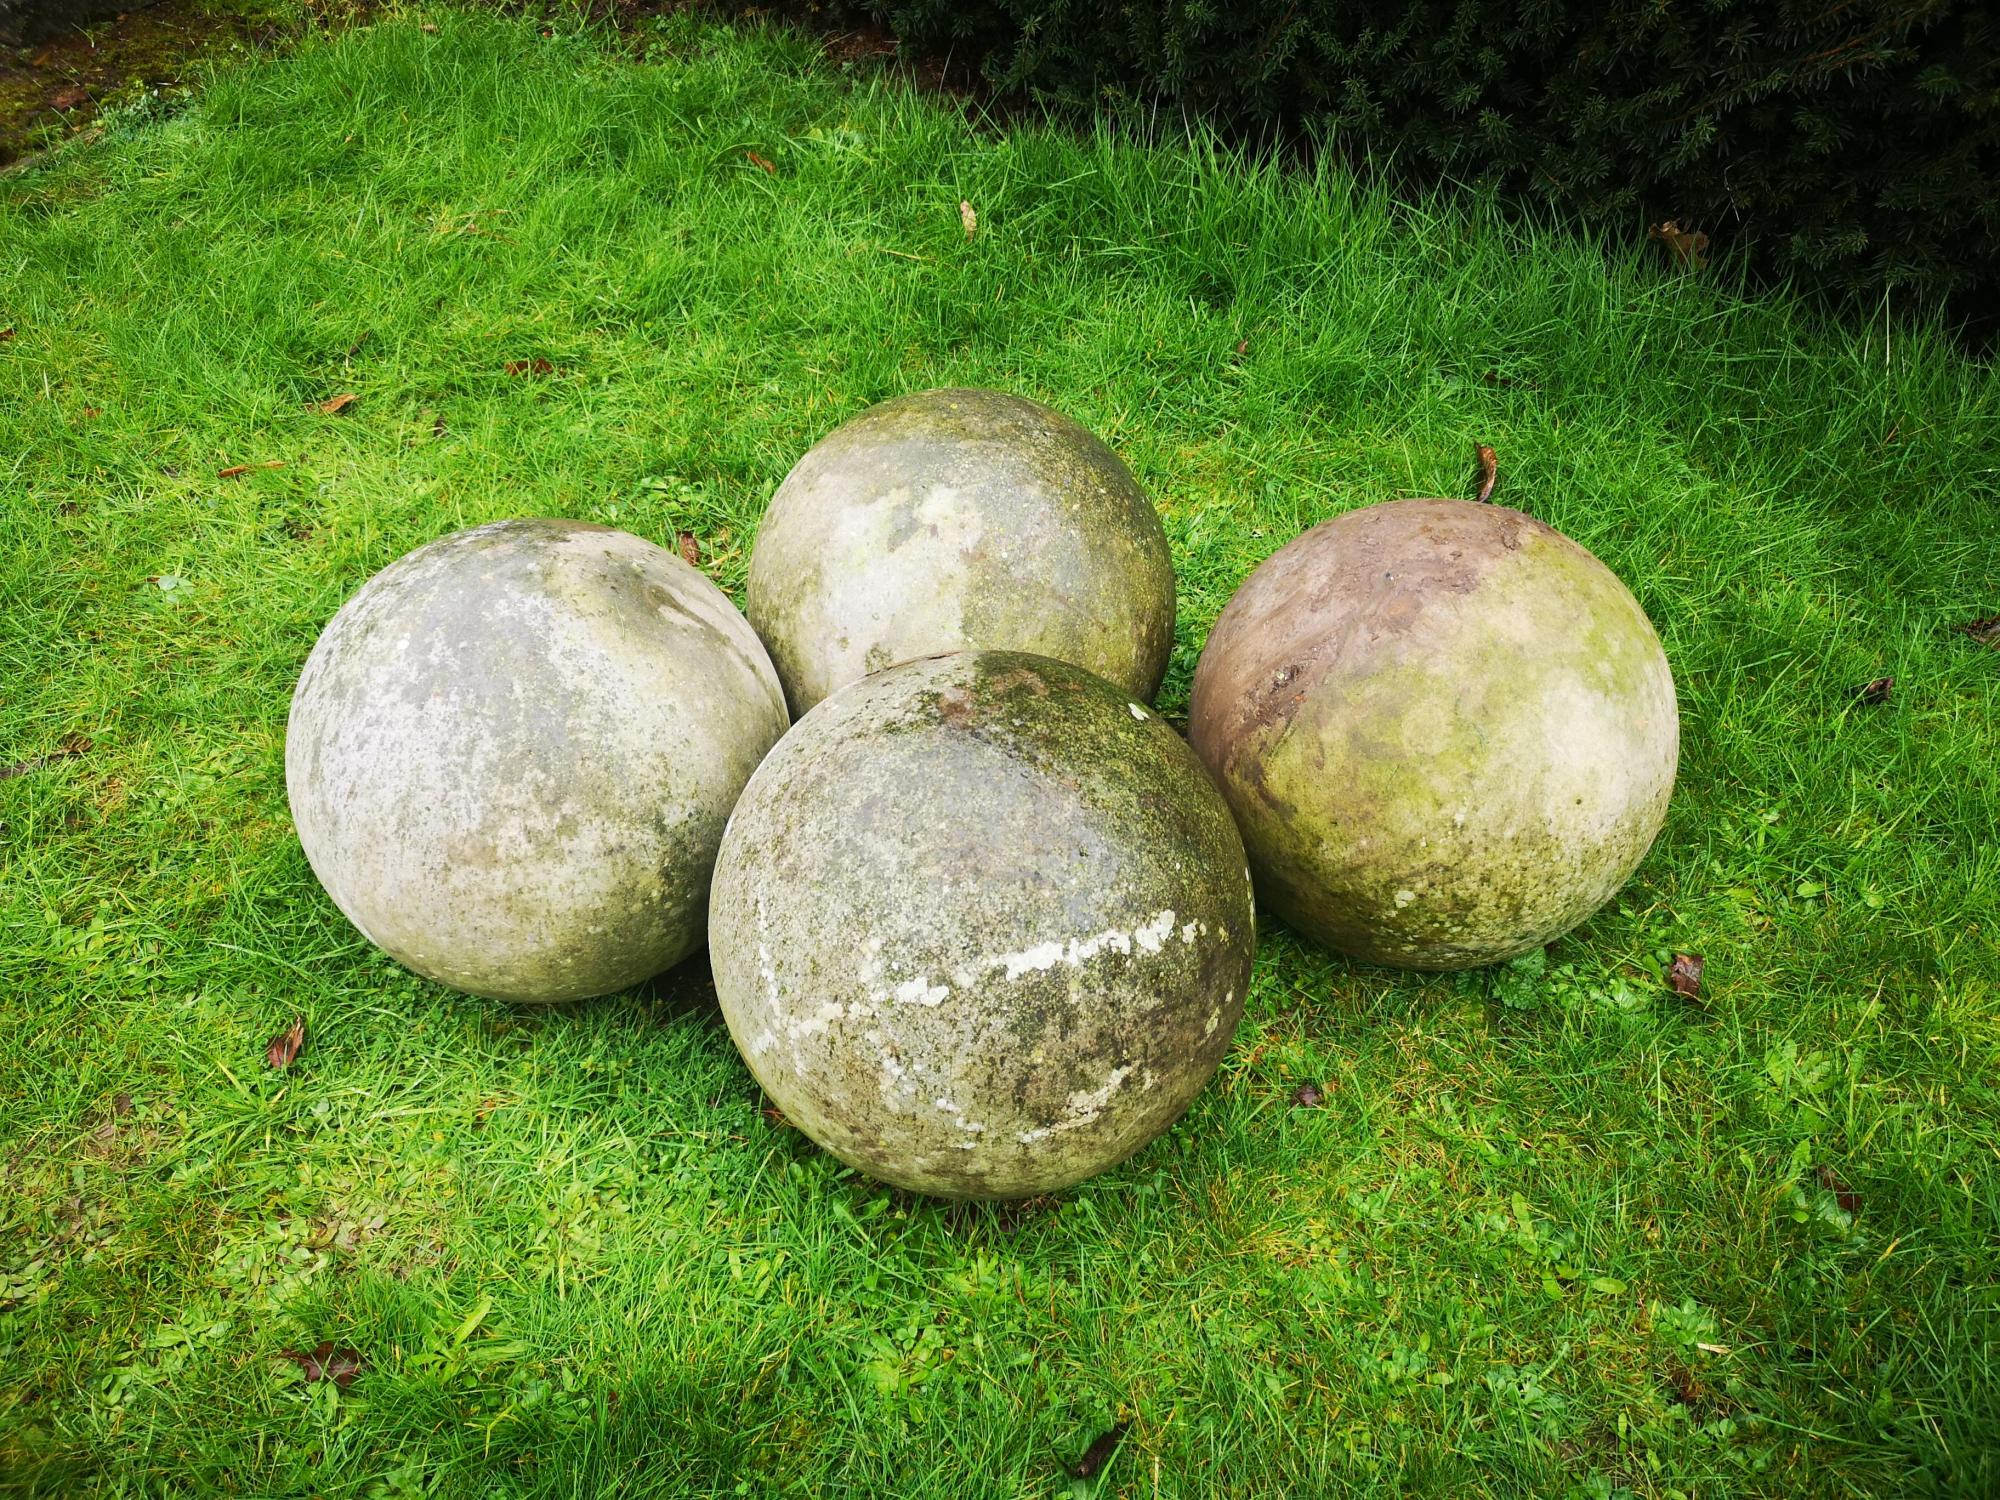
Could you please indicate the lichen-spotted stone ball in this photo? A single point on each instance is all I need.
(1447, 731)
(981, 925)
(512, 753)
(957, 520)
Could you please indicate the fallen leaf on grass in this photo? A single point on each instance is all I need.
(6, 334)
(333, 406)
(758, 161)
(237, 471)
(92, 413)
(71, 746)
(690, 548)
(1687, 1390)
(1684, 976)
(166, 583)
(1845, 1196)
(284, 1047)
(69, 99)
(1308, 1096)
(1873, 692)
(437, 427)
(1713, 1348)
(1098, 1454)
(1686, 246)
(330, 1361)
(969, 219)
(1985, 629)
(529, 367)
(1489, 472)
(1242, 347)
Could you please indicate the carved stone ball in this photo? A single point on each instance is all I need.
(512, 753)
(1447, 731)
(981, 925)
(955, 520)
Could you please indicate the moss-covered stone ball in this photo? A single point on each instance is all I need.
(512, 753)
(981, 926)
(1447, 731)
(957, 520)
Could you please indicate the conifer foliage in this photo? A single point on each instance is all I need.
(1851, 144)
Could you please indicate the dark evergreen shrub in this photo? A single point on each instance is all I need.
(1852, 144)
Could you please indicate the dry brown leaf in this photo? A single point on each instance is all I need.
(690, 548)
(1098, 1454)
(6, 334)
(1489, 472)
(537, 366)
(1845, 1196)
(236, 471)
(333, 406)
(1308, 1096)
(70, 98)
(92, 413)
(1985, 630)
(1686, 245)
(759, 161)
(1875, 692)
(330, 1361)
(969, 219)
(1242, 348)
(71, 745)
(1684, 976)
(284, 1047)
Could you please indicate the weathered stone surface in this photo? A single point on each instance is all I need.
(955, 520)
(512, 753)
(981, 925)
(1447, 731)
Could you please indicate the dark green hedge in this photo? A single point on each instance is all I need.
(1851, 144)
(24, 21)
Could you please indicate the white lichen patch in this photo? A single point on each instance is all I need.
(920, 991)
(1084, 1106)
(820, 1020)
(1153, 936)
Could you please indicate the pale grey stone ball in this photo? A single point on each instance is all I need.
(512, 753)
(954, 520)
(981, 926)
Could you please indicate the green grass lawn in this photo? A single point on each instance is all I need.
(1549, 1233)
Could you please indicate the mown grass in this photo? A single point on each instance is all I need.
(1555, 1233)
